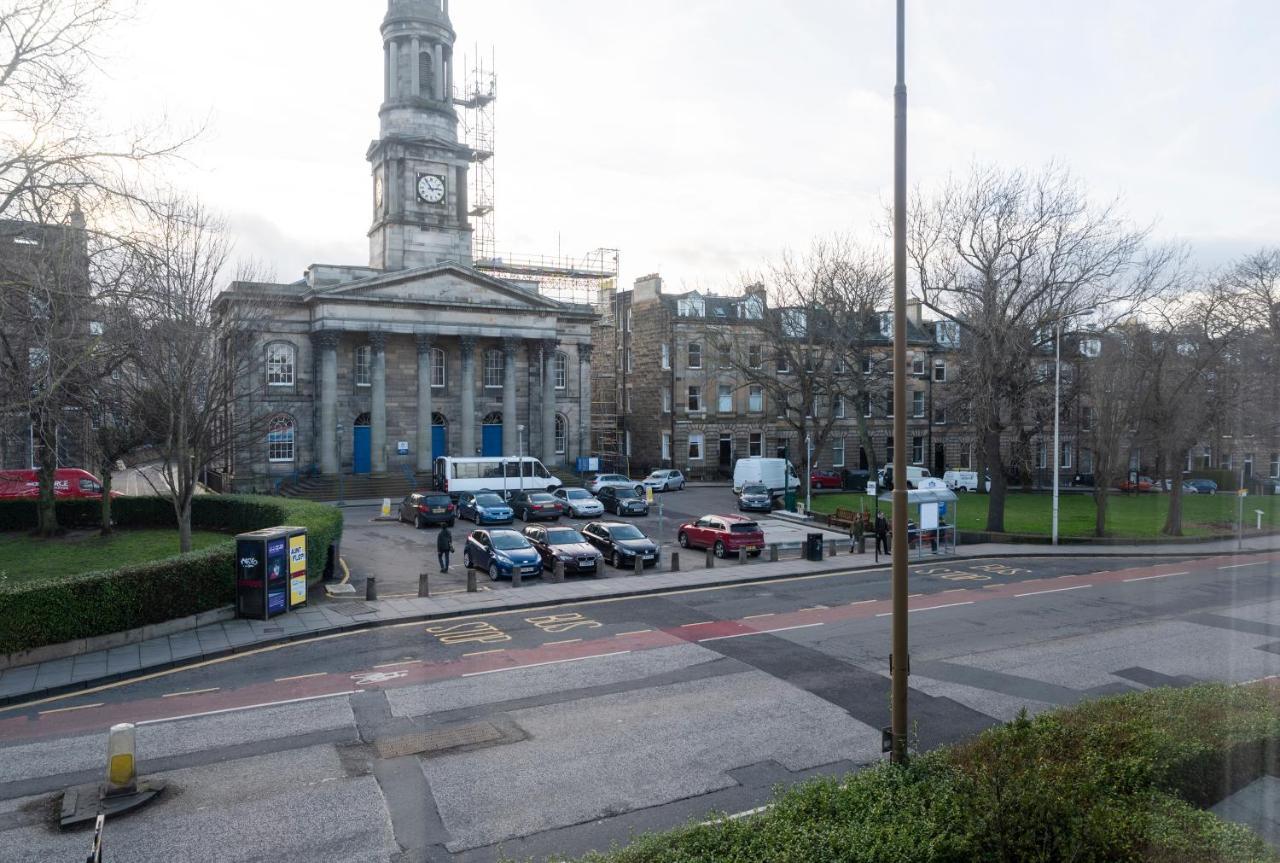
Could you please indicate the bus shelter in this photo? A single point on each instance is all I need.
(931, 520)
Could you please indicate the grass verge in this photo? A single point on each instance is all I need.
(25, 559)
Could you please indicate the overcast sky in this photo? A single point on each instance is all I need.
(701, 137)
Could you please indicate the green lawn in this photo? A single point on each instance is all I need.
(24, 559)
(1127, 515)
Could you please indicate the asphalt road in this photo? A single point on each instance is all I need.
(546, 733)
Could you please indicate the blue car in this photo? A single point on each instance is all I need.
(501, 553)
(484, 507)
(1202, 486)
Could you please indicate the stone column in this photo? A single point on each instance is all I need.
(416, 69)
(584, 401)
(393, 68)
(326, 342)
(386, 72)
(510, 445)
(467, 390)
(548, 401)
(378, 411)
(425, 408)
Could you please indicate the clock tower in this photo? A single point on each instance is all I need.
(419, 166)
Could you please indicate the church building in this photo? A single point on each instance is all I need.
(380, 369)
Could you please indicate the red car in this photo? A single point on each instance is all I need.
(825, 479)
(1145, 483)
(725, 534)
(67, 482)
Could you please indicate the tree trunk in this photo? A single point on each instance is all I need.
(864, 440)
(184, 527)
(995, 506)
(107, 528)
(46, 502)
(1173, 522)
(1100, 509)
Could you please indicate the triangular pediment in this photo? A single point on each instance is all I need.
(444, 284)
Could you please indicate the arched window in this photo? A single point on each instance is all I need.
(281, 358)
(562, 434)
(493, 419)
(426, 76)
(438, 368)
(437, 419)
(561, 366)
(280, 438)
(494, 366)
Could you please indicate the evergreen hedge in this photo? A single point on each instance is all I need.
(1118, 779)
(107, 601)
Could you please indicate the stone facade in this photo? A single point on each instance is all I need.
(381, 369)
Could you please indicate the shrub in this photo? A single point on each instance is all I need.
(98, 603)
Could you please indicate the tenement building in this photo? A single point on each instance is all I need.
(382, 368)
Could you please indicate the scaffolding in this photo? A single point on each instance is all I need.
(478, 100)
(608, 438)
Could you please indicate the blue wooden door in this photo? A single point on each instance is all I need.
(491, 442)
(438, 443)
(362, 455)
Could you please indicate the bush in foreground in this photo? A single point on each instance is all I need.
(1112, 780)
(99, 603)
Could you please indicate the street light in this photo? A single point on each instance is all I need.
(520, 453)
(1057, 408)
(341, 492)
(808, 472)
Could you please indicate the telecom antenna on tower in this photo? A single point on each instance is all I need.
(477, 99)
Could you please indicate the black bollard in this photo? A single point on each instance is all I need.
(370, 589)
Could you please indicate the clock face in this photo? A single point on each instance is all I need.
(377, 191)
(430, 188)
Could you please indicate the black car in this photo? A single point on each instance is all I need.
(755, 498)
(622, 501)
(428, 508)
(567, 546)
(620, 543)
(533, 505)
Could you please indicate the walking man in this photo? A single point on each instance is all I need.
(444, 547)
(882, 534)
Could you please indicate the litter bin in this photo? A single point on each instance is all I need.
(813, 547)
(789, 501)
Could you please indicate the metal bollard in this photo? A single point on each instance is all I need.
(773, 552)
(831, 548)
(516, 579)
(557, 572)
(370, 589)
(742, 556)
(675, 561)
(711, 559)
(639, 565)
(424, 587)
(862, 544)
(471, 581)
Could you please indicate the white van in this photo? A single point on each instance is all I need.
(914, 475)
(961, 480)
(775, 473)
(495, 473)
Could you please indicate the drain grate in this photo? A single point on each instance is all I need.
(431, 742)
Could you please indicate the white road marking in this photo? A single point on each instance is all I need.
(737, 815)
(485, 652)
(633, 632)
(401, 662)
(865, 602)
(1054, 590)
(189, 692)
(366, 678)
(699, 623)
(760, 632)
(756, 616)
(927, 608)
(301, 677)
(552, 662)
(1163, 575)
(70, 709)
(246, 707)
(566, 641)
(1241, 565)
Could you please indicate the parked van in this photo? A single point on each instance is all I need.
(68, 482)
(961, 480)
(914, 475)
(495, 474)
(776, 474)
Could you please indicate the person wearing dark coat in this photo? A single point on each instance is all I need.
(444, 547)
(882, 533)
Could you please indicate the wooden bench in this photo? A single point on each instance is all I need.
(844, 518)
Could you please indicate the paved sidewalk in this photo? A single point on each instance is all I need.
(323, 617)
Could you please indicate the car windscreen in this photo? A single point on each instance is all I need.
(488, 500)
(508, 541)
(626, 531)
(564, 536)
(755, 489)
(542, 498)
(625, 492)
(658, 474)
(744, 527)
(577, 494)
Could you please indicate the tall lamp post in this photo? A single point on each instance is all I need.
(341, 493)
(520, 453)
(899, 663)
(1057, 401)
(808, 472)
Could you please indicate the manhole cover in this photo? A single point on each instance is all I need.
(429, 742)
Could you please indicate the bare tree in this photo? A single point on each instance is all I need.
(184, 381)
(815, 338)
(1007, 256)
(1113, 391)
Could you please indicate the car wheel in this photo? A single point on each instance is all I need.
(681, 486)
(466, 559)
(493, 572)
(640, 490)
(616, 560)
(683, 539)
(418, 523)
(720, 552)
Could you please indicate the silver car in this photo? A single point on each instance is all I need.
(665, 480)
(617, 480)
(580, 502)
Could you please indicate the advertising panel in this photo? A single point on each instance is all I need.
(297, 569)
